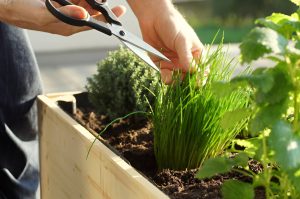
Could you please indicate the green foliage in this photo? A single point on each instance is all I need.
(233, 189)
(123, 84)
(221, 165)
(285, 144)
(187, 116)
(261, 41)
(274, 108)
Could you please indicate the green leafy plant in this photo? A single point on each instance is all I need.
(123, 84)
(275, 108)
(187, 116)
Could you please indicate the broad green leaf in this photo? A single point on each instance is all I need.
(279, 91)
(267, 23)
(240, 159)
(261, 41)
(220, 165)
(266, 117)
(285, 145)
(214, 166)
(263, 81)
(281, 23)
(279, 18)
(231, 118)
(297, 2)
(233, 189)
(260, 79)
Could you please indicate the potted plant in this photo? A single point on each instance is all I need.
(173, 110)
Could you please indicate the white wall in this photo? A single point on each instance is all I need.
(45, 42)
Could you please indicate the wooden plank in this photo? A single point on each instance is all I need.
(65, 171)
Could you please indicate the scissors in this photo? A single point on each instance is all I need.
(112, 27)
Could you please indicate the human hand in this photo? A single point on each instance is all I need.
(33, 14)
(164, 28)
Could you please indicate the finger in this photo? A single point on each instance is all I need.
(79, 12)
(48, 21)
(196, 52)
(183, 48)
(166, 76)
(74, 11)
(118, 11)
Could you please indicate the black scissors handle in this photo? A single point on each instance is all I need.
(88, 21)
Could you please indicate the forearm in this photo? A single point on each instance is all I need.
(3, 9)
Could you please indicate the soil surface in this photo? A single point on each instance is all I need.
(133, 140)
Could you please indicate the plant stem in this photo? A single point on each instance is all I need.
(266, 170)
(292, 72)
(250, 174)
(296, 109)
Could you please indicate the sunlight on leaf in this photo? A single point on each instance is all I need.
(261, 41)
(297, 2)
(285, 145)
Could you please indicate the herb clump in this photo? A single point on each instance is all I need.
(187, 116)
(123, 84)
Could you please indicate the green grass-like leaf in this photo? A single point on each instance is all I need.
(187, 116)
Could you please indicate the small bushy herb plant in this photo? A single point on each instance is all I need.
(275, 107)
(123, 84)
(187, 116)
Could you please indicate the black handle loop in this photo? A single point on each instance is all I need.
(89, 21)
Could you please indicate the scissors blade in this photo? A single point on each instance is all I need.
(141, 53)
(128, 37)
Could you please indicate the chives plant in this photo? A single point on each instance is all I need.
(187, 115)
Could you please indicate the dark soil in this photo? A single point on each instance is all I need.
(133, 140)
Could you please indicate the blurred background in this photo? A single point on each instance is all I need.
(233, 17)
(66, 62)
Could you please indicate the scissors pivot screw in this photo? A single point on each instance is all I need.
(122, 33)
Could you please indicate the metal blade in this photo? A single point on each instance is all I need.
(142, 54)
(128, 37)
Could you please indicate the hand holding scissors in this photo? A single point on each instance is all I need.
(112, 27)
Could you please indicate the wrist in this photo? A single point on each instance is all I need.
(147, 8)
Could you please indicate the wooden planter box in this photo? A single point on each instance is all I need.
(67, 173)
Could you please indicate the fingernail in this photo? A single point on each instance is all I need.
(80, 14)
